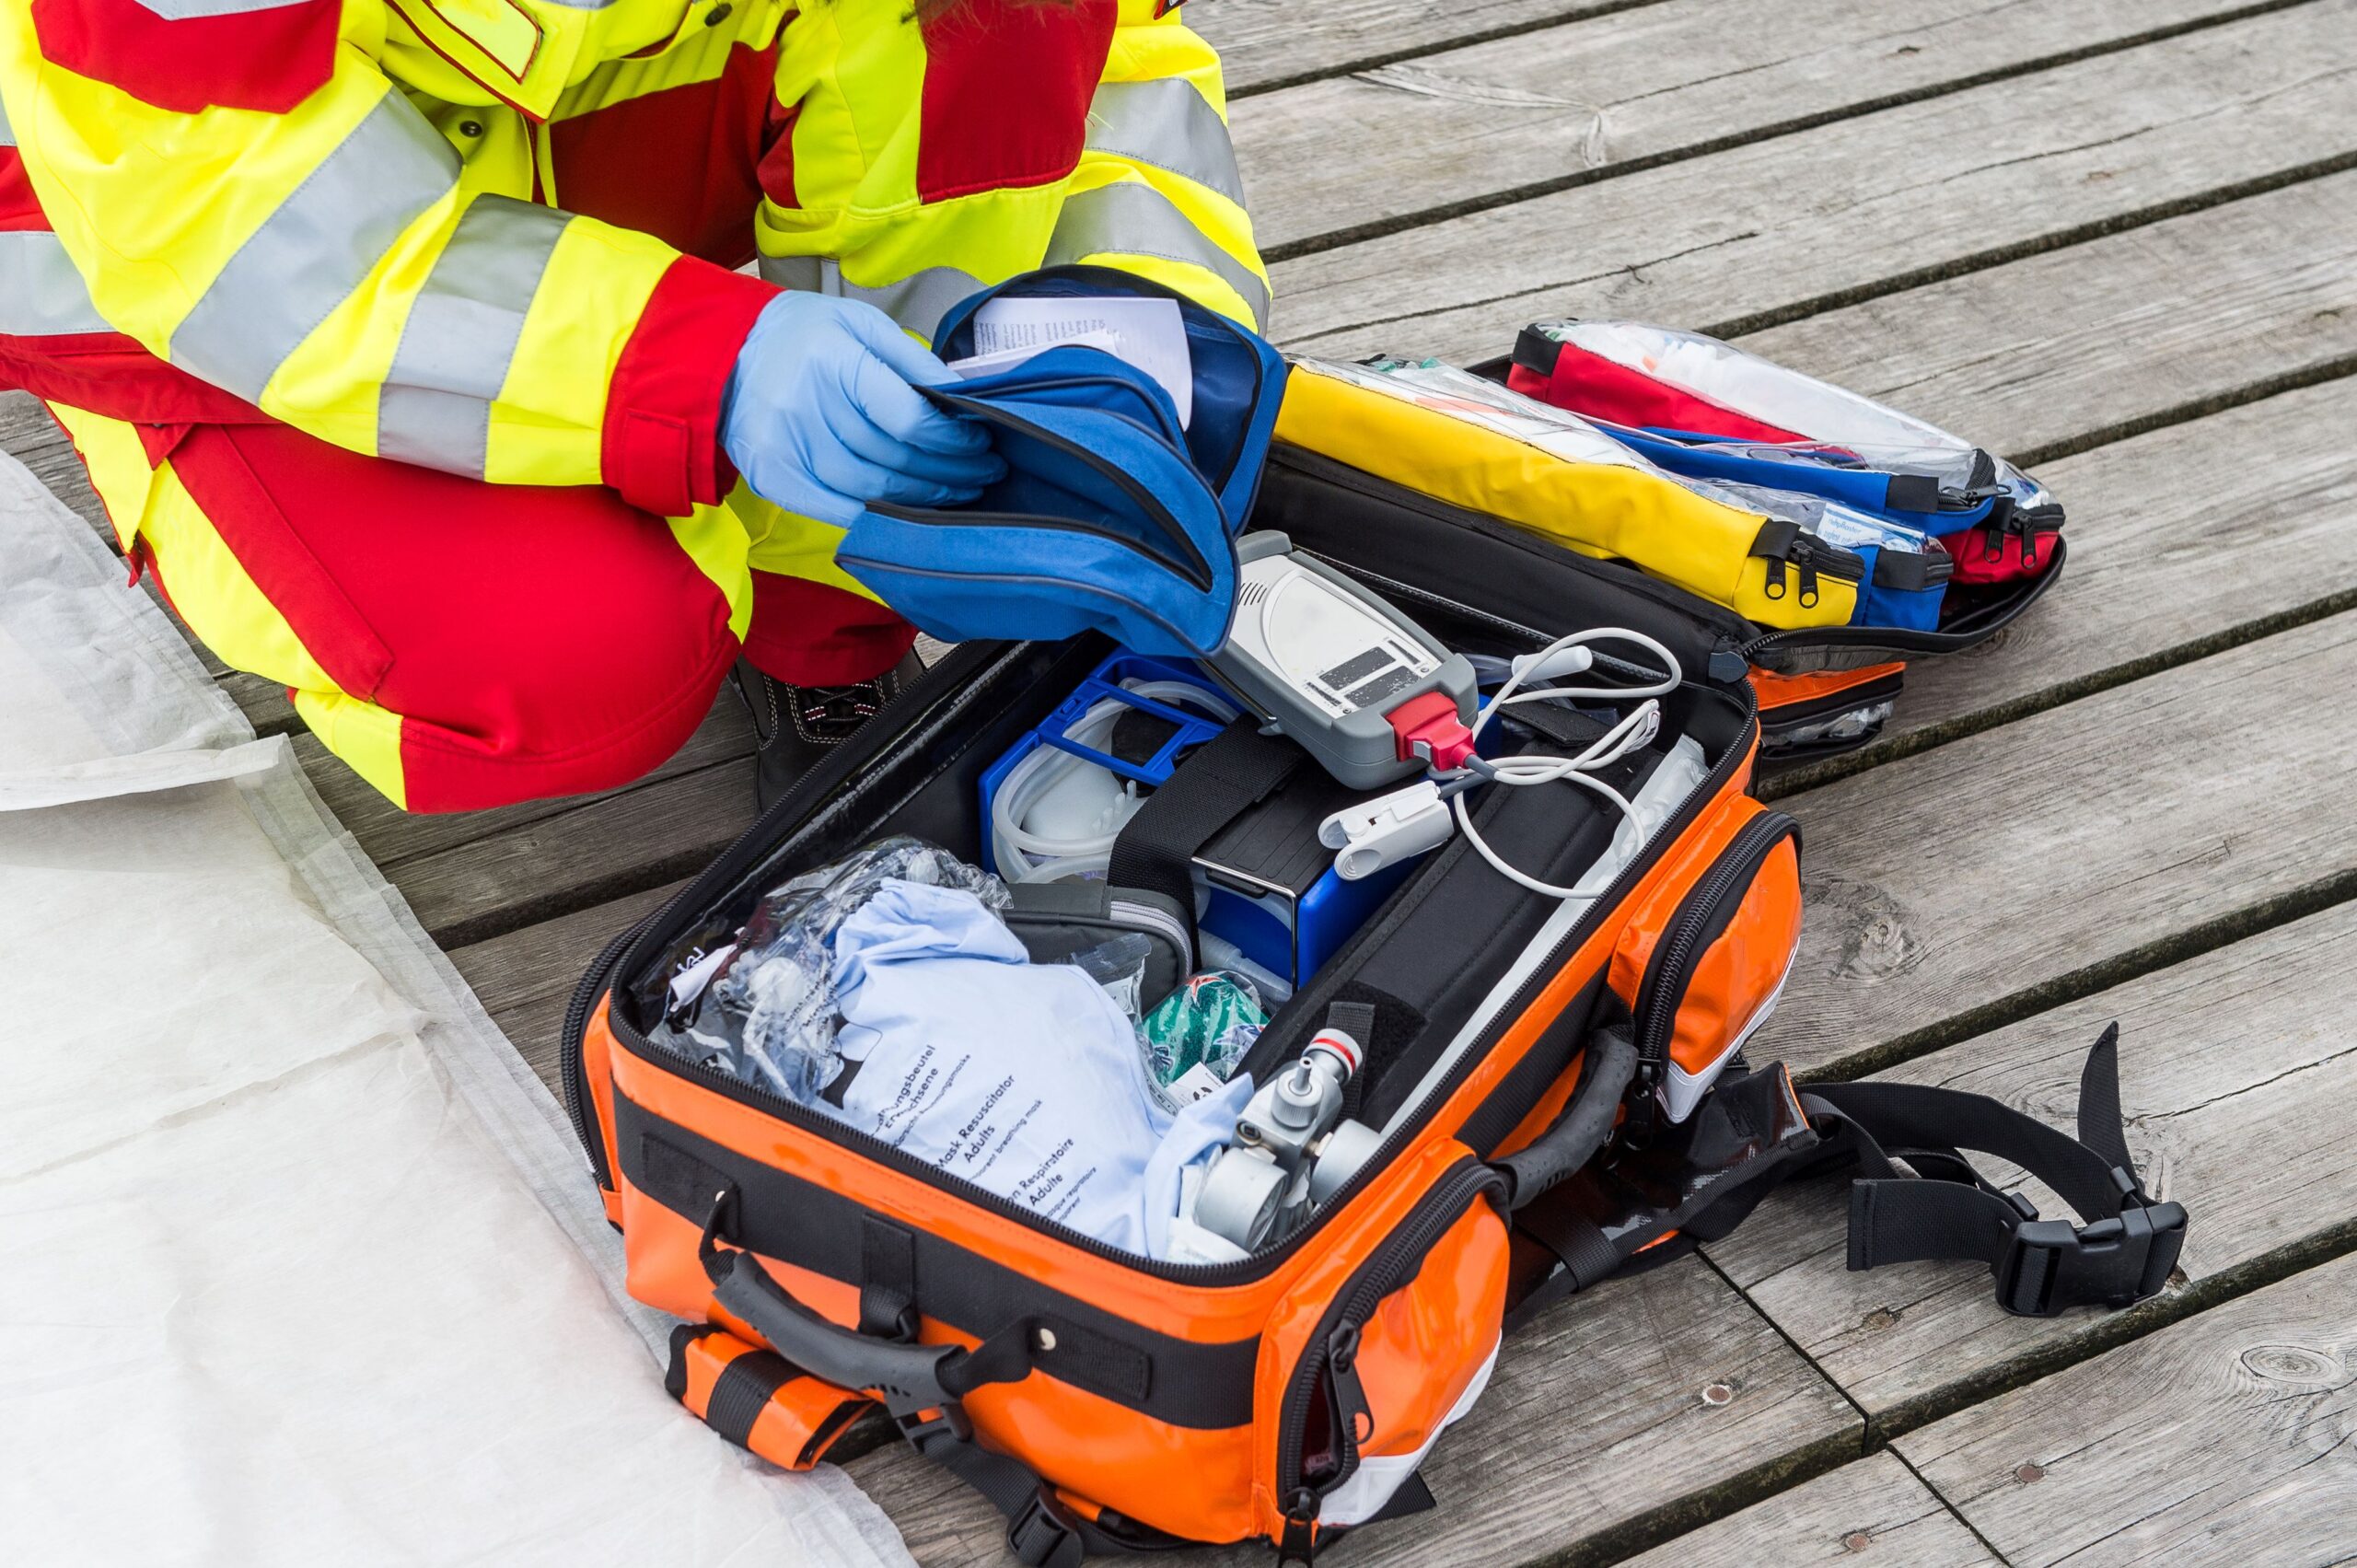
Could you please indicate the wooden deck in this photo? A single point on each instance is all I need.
(2116, 239)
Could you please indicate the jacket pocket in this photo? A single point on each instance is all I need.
(1703, 965)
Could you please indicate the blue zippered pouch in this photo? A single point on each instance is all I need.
(1111, 518)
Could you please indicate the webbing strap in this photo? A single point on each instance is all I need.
(1947, 1210)
(1158, 845)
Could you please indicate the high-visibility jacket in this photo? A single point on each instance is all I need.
(348, 213)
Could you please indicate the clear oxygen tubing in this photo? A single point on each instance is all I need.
(1024, 853)
(1636, 729)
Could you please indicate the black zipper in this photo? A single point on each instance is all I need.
(728, 867)
(1864, 639)
(569, 1074)
(1811, 557)
(1023, 579)
(1191, 564)
(1882, 689)
(1332, 1347)
(1664, 980)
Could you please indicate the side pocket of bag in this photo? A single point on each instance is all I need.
(1374, 1357)
(1703, 965)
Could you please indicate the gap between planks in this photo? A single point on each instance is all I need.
(1474, 129)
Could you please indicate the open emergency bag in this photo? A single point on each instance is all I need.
(1532, 1038)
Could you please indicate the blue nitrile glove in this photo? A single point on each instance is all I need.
(821, 419)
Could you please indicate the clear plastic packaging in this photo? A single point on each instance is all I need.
(1204, 1026)
(1118, 964)
(763, 1009)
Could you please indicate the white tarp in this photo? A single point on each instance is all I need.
(298, 1263)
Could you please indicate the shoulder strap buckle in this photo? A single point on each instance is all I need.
(1045, 1534)
(2051, 1264)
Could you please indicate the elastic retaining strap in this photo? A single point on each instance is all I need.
(1157, 848)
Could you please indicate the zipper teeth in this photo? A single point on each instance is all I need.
(1543, 973)
(1440, 1209)
(845, 558)
(1771, 826)
(1897, 640)
(568, 1046)
(1609, 663)
(1198, 570)
(1146, 914)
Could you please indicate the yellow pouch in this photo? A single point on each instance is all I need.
(1566, 483)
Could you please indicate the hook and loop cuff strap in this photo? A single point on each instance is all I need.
(2122, 1253)
(756, 1399)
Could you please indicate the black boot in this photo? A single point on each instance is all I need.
(794, 725)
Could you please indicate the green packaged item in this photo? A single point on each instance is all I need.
(1194, 1040)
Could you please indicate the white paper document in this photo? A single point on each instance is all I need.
(1148, 333)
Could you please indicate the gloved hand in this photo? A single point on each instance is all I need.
(820, 416)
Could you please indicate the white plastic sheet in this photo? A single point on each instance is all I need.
(297, 1263)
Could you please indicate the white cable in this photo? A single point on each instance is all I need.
(1634, 731)
(1024, 854)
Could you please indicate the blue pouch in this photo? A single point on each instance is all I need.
(1111, 518)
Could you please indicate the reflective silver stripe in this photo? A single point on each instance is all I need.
(1170, 125)
(917, 302)
(808, 273)
(1134, 219)
(184, 11)
(434, 408)
(320, 245)
(920, 300)
(41, 291)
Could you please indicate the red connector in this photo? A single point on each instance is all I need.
(1429, 731)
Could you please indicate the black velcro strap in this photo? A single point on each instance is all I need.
(1079, 1356)
(888, 1281)
(743, 1390)
(674, 1371)
(1234, 770)
(1588, 1256)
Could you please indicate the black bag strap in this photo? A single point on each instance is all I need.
(1235, 770)
(2121, 1254)
(921, 1387)
(1914, 1193)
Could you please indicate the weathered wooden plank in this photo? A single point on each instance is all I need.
(34, 439)
(393, 837)
(1872, 1511)
(1475, 126)
(526, 977)
(586, 851)
(2178, 541)
(2235, 1068)
(1265, 42)
(1610, 1420)
(2225, 1438)
(1966, 886)
(1851, 206)
(2172, 317)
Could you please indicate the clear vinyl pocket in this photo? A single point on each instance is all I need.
(1702, 964)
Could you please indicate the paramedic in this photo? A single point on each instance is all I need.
(405, 343)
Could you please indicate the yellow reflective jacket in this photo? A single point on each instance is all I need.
(500, 236)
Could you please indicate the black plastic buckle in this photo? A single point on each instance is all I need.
(2053, 1265)
(1045, 1534)
(944, 1422)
